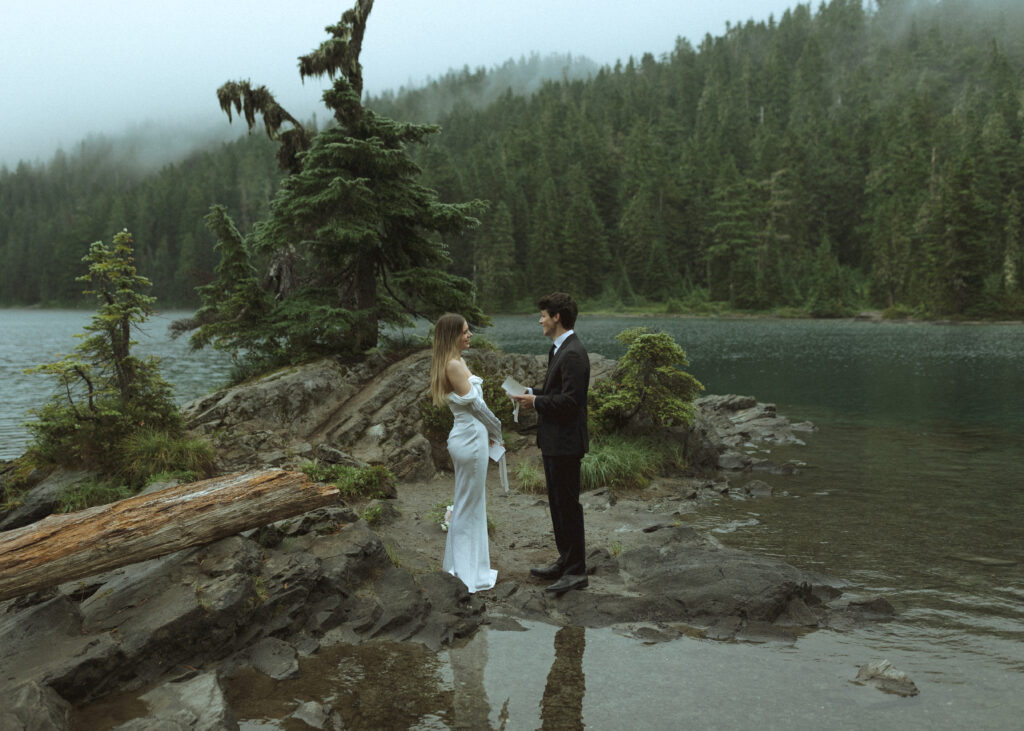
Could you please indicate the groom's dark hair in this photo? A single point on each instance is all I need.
(561, 304)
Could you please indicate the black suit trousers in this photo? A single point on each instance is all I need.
(562, 474)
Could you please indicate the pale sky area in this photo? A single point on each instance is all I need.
(71, 68)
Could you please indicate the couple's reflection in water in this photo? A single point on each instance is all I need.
(561, 706)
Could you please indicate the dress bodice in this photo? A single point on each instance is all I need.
(464, 404)
(472, 406)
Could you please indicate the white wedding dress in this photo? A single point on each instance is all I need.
(466, 553)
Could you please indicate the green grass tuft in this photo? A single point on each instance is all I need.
(623, 463)
(87, 494)
(151, 452)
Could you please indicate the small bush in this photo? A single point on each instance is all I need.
(648, 389)
(372, 515)
(437, 421)
(87, 494)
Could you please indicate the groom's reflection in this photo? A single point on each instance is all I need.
(562, 705)
(470, 706)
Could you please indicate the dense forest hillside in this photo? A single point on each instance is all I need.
(829, 159)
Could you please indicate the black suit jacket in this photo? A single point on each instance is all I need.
(561, 402)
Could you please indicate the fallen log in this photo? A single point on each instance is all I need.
(65, 547)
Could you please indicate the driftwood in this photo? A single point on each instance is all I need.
(62, 548)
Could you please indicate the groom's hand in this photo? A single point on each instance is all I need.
(526, 400)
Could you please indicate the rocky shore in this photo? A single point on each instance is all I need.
(171, 629)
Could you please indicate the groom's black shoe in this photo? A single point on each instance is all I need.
(554, 571)
(567, 582)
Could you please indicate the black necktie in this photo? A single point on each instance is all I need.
(551, 353)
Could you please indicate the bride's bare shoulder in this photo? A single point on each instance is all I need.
(457, 366)
(458, 376)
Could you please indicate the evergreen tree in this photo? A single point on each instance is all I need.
(963, 243)
(1012, 245)
(495, 261)
(104, 393)
(583, 257)
(353, 235)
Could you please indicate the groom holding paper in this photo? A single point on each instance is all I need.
(561, 405)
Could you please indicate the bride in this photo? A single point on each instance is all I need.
(466, 554)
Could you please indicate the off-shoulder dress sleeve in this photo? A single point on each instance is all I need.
(474, 401)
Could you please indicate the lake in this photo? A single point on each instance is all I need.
(912, 490)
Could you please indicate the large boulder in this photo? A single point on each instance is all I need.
(364, 414)
(681, 576)
(32, 706)
(196, 702)
(40, 500)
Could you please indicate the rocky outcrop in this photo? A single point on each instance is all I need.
(367, 413)
(736, 426)
(258, 599)
(681, 576)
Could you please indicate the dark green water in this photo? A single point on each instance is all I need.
(913, 482)
(912, 490)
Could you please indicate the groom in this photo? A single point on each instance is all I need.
(561, 405)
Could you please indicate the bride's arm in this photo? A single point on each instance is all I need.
(487, 418)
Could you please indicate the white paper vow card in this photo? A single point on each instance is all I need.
(514, 388)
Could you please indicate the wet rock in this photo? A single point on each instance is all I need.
(701, 443)
(40, 500)
(44, 643)
(317, 715)
(380, 512)
(723, 628)
(196, 702)
(274, 658)
(797, 614)
(764, 632)
(682, 576)
(875, 607)
(32, 706)
(653, 633)
(758, 488)
(742, 422)
(734, 461)
(886, 678)
(453, 613)
(403, 605)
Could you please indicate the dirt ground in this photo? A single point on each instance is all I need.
(520, 525)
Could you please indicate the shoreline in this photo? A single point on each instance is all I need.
(875, 316)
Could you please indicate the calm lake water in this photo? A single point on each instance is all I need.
(912, 490)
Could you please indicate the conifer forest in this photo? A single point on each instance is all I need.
(840, 157)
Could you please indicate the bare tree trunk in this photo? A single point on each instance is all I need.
(66, 547)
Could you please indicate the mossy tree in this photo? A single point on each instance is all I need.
(353, 240)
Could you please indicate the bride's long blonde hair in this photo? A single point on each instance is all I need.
(447, 333)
